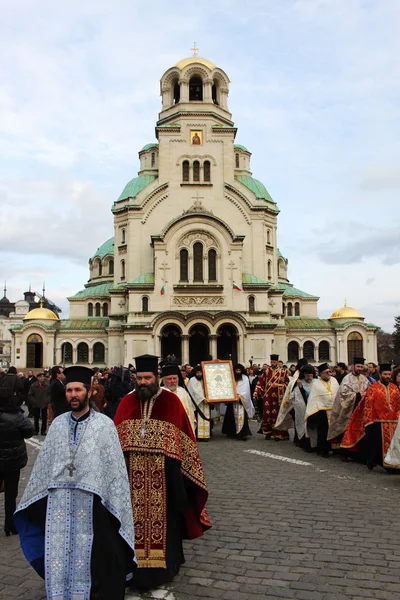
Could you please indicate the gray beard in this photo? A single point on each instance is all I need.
(172, 388)
(147, 392)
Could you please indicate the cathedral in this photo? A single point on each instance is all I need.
(194, 267)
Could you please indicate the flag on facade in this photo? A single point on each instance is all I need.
(162, 291)
(236, 287)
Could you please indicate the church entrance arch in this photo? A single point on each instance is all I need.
(171, 341)
(227, 342)
(199, 346)
(34, 351)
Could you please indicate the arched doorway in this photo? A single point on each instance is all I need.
(354, 346)
(199, 347)
(227, 343)
(34, 351)
(171, 341)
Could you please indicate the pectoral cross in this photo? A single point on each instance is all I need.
(71, 468)
(232, 268)
(143, 431)
(164, 267)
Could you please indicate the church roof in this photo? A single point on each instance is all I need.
(346, 312)
(41, 314)
(104, 249)
(240, 147)
(249, 279)
(101, 290)
(149, 147)
(255, 186)
(84, 324)
(289, 291)
(298, 323)
(195, 60)
(145, 279)
(136, 185)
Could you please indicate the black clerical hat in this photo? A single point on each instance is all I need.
(170, 369)
(274, 357)
(385, 367)
(81, 374)
(301, 363)
(358, 360)
(146, 363)
(307, 369)
(323, 367)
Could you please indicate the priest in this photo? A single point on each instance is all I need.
(319, 406)
(171, 377)
(269, 392)
(237, 414)
(351, 390)
(168, 487)
(75, 517)
(373, 423)
(196, 390)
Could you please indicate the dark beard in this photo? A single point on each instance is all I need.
(148, 391)
(238, 376)
(83, 404)
(199, 377)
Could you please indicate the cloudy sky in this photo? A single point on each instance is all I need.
(315, 88)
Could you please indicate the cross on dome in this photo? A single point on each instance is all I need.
(195, 49)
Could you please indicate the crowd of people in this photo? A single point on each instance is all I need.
(120, 452)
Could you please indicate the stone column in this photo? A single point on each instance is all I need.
(213, 345)
(185, 349)
(184, 91)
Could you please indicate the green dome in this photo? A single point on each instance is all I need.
(104, 249)
(149, 147)
(136, 185)
(255, 186)
(240, 147)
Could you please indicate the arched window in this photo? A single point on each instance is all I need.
(105, 309)
(283, 308)
(323, 351)
(99, 352)
(123, 236)
(290, 309)
(212, 265)
(198, 262)
(297, 309)
(269, 269)
(195, 88)
(111, 267)
(207, 170)
(354, 346)
(308, 350)
(177, 92)
(214, 93)
(293, 351)
(268, 237)
(122, 269)
(279, 268)
(237, 160)
(184, 265)
(185, 170)
(90, 309)
(252, 304)
(100, 268)
(97, 309)
(196, 171)
(66, 353)
(83, 352)
(145, 304)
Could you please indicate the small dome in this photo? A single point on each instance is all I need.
(195, 60)
(346, 312)
(41, 314)
(104, 249)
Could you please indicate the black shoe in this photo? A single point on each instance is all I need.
(42, 433)
(36, 432)
(370, 465)
(268, 436)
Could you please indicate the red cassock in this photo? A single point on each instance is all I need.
(148, 445)
(380, 404)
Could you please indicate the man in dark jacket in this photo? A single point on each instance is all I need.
(39, 398)
(57, 392)
(29, 379)
(11, 387)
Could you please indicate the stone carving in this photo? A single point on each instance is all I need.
(198, 300)
(198, 236)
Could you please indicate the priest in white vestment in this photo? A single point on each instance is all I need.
(237, 414)
(75, 517)
(196, 390)
(170, 375)
(319, 406)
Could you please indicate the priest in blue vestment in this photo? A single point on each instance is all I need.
(75, 517)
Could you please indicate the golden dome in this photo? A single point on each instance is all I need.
(346, 312)
(41, 314)
(194, 60)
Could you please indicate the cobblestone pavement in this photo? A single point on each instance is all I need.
(285, 525)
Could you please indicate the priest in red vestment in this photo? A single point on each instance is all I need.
(168, 487)
(270, 391)
(373, 423)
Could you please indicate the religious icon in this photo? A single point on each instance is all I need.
(219, 381)
(196, 138)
